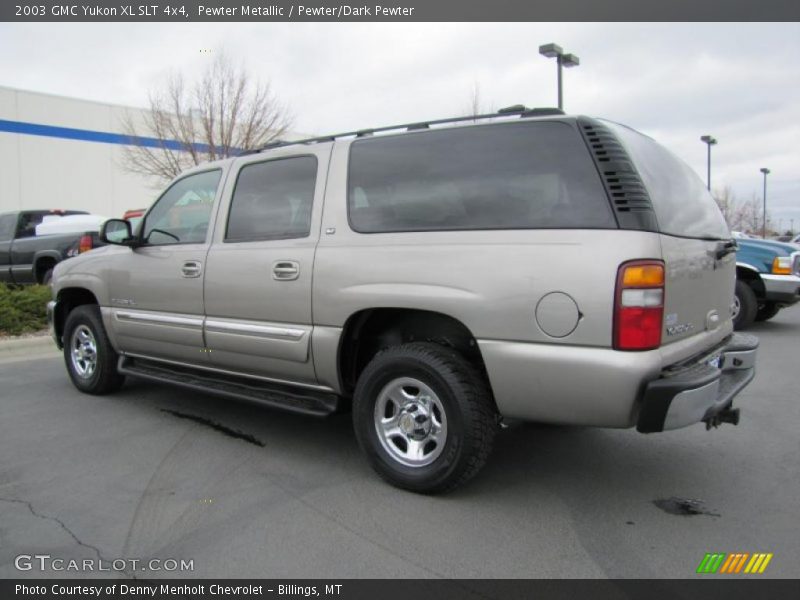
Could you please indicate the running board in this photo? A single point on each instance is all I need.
(275, 395)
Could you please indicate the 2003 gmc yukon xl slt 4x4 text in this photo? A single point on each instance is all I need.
(440, 277)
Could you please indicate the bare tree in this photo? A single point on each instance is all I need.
(726, 200)
(474, 105)
(750, 215)
(218, 116)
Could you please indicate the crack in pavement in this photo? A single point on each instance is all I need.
(63, 526)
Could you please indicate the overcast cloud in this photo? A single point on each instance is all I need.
(738, 82)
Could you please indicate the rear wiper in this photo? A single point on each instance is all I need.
(725, 248)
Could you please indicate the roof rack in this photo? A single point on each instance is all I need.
(516, 110)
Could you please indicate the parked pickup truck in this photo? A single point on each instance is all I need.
(767, 279)
(437, 278)
(26, 257)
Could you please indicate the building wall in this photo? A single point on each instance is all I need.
(49, 171)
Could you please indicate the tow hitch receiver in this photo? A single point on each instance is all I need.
(727, 415)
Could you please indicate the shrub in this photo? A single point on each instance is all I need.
(23, 309)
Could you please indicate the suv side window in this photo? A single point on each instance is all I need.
(499, 176)
(182, 213)
(273, 200)
(7, 225)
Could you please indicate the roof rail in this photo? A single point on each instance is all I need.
(510, 111)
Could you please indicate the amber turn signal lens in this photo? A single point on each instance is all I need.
(782, 265)
(643, 276)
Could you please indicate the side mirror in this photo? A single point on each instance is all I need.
(118, 232)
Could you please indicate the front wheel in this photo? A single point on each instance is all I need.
(745, 306)
(424, 417)
(90, 358)
(767, 310)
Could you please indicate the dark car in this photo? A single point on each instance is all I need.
(26, 257)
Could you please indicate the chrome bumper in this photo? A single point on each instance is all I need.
(701, 391)
(782, 288)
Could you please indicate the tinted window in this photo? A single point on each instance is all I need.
(182, 213)
(273, 200)
(29, 220)
(680, 199)
(501, 176)
(7, 225)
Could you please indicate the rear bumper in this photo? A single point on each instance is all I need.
(784, 289)
(701, 391)
(581, 385)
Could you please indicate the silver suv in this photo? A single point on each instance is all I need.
(437, 277)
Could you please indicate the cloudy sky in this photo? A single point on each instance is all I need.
(676, 82)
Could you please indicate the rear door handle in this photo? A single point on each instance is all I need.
(192, 269)
(285, 270)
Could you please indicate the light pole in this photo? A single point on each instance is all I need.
(709, 140)
(563, 60)
(765, 171)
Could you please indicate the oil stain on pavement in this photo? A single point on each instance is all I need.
(216, 426)
(685, 507)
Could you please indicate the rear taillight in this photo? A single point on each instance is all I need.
(84, 244)
(639, 305)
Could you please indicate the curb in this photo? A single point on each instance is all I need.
(26, 346)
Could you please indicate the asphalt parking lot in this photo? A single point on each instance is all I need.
(157, 472)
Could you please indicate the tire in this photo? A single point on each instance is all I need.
(47, 277)
(91, 360)
(746, 306)
(767, 310)
(424, 417)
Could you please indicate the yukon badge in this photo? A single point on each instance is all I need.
(123, 302)
(680, 329)
(675, 328)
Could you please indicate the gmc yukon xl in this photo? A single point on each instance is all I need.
(438, 278)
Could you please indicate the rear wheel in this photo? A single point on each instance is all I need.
(47, 277)
(766, 311)
(424, 417)
(90, 358)
(745, 306)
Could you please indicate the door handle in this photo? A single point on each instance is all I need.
(192, 268)
(285, 270)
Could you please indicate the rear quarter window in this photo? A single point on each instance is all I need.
(501, 176)
(682, 204)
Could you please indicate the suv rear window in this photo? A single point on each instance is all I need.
(500, 176)
(682, 204)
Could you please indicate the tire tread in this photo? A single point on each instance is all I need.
(476, 396)
(109, 379)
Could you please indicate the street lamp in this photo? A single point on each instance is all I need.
(709, 140)
(563, 60)
(765, 171)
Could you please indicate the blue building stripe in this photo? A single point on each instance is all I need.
(102, 137)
